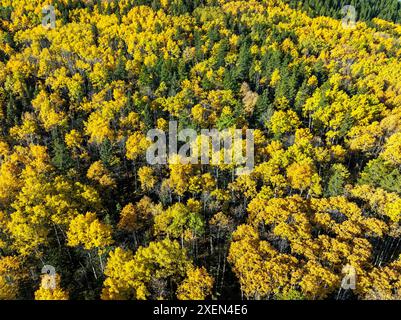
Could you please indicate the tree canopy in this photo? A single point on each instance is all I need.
(76, 190)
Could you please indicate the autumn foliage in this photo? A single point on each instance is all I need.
(77, 193)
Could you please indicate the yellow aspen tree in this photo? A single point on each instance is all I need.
(99, 173)
(197, 285)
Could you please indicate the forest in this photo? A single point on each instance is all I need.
(84, 216)
(367, 9)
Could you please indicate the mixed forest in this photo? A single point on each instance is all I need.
(76, 191)
(366, 9)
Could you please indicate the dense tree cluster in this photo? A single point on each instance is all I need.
(77, 193)
(366, 9)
